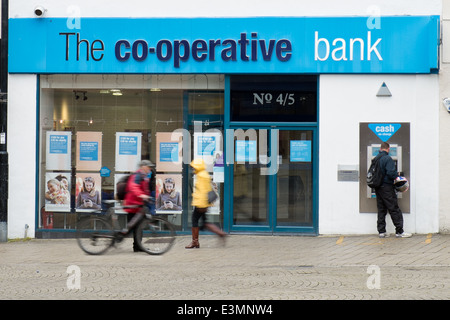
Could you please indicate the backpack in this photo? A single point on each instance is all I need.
(121, 187)
(375, 175)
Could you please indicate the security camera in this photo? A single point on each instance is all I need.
(446, 103)
(39, 11)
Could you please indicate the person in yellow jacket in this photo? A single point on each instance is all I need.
(200, 203)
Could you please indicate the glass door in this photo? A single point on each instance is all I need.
(274, 176)
(294, 180)
(251, 204)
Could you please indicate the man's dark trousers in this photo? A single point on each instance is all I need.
(387, 201)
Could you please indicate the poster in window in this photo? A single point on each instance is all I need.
(168, 194)
(89, 151)
(128, 150)
(207, 145)
(88, 192)
(57, 191)
(58, 150)
(246, 151)
(169, 151)
(300, 151)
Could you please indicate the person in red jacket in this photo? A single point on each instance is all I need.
(138, 190)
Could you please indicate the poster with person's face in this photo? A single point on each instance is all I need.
(57, 192)
(88, 192)
(168, 194)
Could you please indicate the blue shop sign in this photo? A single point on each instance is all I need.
(396, 44)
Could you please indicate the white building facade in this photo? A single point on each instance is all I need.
(286, 102)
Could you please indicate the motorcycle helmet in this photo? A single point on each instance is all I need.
(401, 184)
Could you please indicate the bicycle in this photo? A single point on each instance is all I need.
(96, 234)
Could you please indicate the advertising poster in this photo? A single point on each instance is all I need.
(59, 150)
(207, 146)
(128, 150)
(169, 153)
(168, 194)
(245, 151)
(89, 151)
(88, 192)
(57, 192)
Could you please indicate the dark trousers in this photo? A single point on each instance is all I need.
(197, 214)
(133, 220)
(387, 202)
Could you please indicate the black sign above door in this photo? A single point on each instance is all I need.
(274, 98)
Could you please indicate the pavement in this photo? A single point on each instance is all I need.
(248, 267)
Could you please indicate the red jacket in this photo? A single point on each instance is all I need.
(138, 184)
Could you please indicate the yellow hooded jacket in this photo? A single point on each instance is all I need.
(202, 184)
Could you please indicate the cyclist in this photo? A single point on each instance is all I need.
(138, 191)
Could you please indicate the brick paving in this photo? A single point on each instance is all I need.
(248, 267)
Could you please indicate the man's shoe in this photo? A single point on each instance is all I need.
(119, 236)
(384, 235)
(403, 235)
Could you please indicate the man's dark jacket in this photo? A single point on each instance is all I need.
(387, 166)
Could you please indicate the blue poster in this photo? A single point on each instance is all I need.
(58, 144)
(88, 151)
(168, 152)
(300, 151)
(245, 151)
(128, 145)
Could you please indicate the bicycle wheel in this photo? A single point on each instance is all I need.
(157, 235)
(94, 235)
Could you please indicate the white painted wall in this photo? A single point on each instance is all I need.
(21, 139)
(347, 100)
